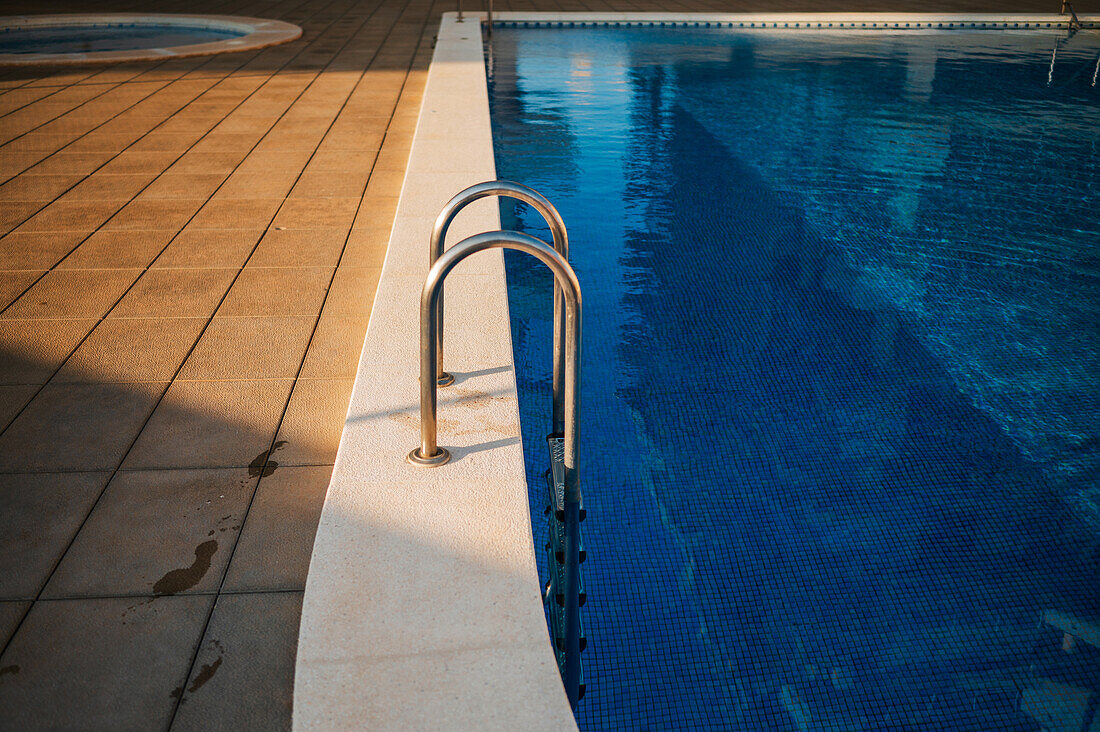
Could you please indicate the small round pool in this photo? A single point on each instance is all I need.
(37, 39)
(85, 38)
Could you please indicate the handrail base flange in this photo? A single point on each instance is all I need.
(439, 458)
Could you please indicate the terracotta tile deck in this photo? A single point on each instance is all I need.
(188, 260)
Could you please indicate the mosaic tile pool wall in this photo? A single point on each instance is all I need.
(841, 371)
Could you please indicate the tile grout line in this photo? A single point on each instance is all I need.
(290, 394)
(81, 136)
(170, 241)
(56, 90)
(65, 87)
(116, 470)
(147, 596)
(249, 57)
(104, 164)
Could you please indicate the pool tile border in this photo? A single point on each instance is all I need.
(795, 21)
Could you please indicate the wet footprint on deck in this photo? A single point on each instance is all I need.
(263, 466)
(179, 580)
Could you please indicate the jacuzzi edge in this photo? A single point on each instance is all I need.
(259, 33)
(422, 606)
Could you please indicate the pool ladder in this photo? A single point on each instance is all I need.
(488, 15)
(564, 592)
(1074, 22)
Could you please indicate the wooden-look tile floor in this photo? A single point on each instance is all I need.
(188, 259)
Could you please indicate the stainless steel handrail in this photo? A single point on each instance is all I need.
(430, 326)
(488, 12)
(431, 454)
(1074, 23)
(509, 189)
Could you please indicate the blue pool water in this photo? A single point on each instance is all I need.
(841, 370)
(84, 38)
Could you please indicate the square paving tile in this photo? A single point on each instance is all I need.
(108, 663)
(211, 424)
(244, 674)
(42, 188)
(183, 185)
(14, 213)
(392, 160)
(181, 293)
(345, 162)
(299, 248)
(10, 615)
(277, 291)
(132, 162)
(264, 161)
(226, 213)
(160, 140)
(57, 164)
(132, 349)
(32, 350)
(317, 213)
(13, 399)
(155, 213)
(71, 215)
(109, 187)
(314, 421)
(377, 211)
(257, 348)
(272, 184)
(41, 515)
(387, 182)
(106, 249)
(366, 247)
(36, 250)
(277, 540)
(352, 291)
(319, 184)
(78, 293)
(157, 532)
(238, 142)
(77, 427)
(14, 282)
(210, 248)
(335, 348)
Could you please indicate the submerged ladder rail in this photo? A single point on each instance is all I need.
(1074, 22)
(430, 453)
(438, 239)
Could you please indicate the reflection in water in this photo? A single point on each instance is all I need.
(840, 370)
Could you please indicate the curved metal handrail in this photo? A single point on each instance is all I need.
(429, 453)
(509, 189)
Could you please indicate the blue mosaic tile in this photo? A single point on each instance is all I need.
(841, 415)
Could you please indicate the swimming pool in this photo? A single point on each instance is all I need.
(841, 446)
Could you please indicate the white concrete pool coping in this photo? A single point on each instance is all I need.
(422, 607)
(258, 33)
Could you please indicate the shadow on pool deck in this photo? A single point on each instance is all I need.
(126, 564)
